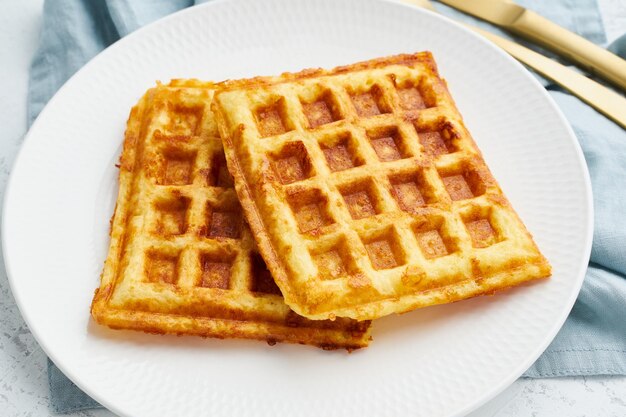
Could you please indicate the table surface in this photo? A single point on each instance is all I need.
(23, 376)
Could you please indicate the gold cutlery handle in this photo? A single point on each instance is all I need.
(603, 99)
(572, 46)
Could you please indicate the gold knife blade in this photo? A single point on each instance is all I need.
(595, 94)
(537, 28)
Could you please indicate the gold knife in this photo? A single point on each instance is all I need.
(595, 94)
(529, 24)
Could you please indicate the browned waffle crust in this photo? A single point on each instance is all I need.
(181, 258)
(365, 192)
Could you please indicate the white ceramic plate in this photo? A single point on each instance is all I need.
(439, 361)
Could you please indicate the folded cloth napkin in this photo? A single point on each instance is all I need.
(593, 339)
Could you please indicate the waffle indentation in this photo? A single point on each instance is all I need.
(171, 216)
(223, 222)
(369, 103)
(177, 167)
(384, 250)
(414, 96)
(439, 141)
(262, 280)
(330, 265)
(215, 271)
(310, 208)
(481, 232)
(480, 228)
(161, 268)
(462, 185)
(433, 239)
(411, 98)
(272, 119)
(341, 153)
(360, 199)
(388, 144)
(322, 111)
(217, 175)
(432, 244)
(412, 191)
(457, 187)
(182, 120)
(292, 163)
(334, 262)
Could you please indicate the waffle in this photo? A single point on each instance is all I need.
(181, 258)
(365, 192)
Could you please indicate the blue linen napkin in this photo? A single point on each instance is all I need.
(593, 339)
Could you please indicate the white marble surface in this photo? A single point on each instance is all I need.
(23, 377)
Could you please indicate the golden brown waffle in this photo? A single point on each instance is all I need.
(365, 192)
(181, 258)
